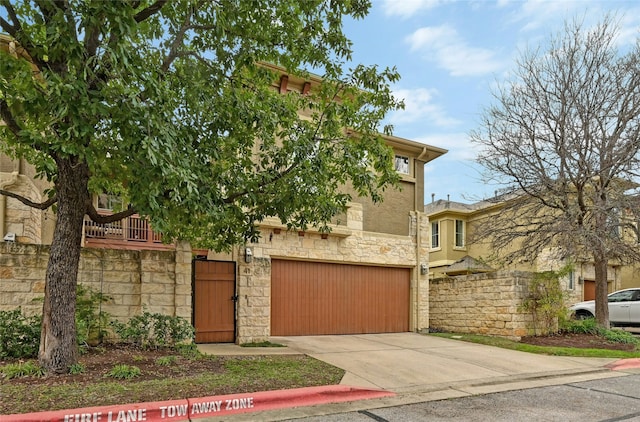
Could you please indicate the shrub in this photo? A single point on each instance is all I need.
(22, 369)
(123, 372)
(545, 301)
(19, 334)
(619, 336)
(590, 326)
(166, 360)
(154, 330)
(189, 350)
(76, 369)
(91, 320)
(580, 326)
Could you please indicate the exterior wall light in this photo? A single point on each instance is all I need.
(248, 255)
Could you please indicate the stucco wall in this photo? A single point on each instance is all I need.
(480, 304)
(136, 281)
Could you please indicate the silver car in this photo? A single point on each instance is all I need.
(624, 308)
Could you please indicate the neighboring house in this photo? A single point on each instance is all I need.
(630, 275)
(368, 275)
(450, 253)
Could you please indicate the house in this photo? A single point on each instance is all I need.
(451, 224)
(367, 275)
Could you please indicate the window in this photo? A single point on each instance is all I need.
(401, 164)
(109, 202)
(435, 235)
(624, 296)
(459, 234)
(572, 282)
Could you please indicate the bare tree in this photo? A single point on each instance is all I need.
(563, 140)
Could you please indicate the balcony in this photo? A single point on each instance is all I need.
(133, 233)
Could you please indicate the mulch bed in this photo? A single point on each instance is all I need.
(583, 341)
(99, 361)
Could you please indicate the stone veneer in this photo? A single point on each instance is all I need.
(481, 304)
(24, 221)
(348, 245)
(135, 281)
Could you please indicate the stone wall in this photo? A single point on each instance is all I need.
(135, 281)
(481, 304)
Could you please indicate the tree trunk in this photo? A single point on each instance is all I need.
(58, 348)
(602, 304)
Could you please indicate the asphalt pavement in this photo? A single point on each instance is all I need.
(603, 400)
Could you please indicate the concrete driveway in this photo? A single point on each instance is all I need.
(412, 363)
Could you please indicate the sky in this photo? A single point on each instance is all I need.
(450, 55)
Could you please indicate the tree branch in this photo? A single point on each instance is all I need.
(38, 205)
(8, 118)
(11, 29)
(105, 219)
(177, 42)
(149, 11)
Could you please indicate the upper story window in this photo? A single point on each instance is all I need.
(459, 234)
(109, 202)
(435, 235)
(401, 164)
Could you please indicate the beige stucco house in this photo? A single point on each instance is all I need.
(452, 224)
(368, 275)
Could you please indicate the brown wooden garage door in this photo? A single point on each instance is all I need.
(312, 298)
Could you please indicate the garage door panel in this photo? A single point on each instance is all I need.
(311, 298)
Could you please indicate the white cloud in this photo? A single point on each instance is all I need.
(408, 8)
(459, 146)
(419, 106)
(548, 16)
(444, 45)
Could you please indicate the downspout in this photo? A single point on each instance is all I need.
(417, 270)
(3, 201)
(418, 240)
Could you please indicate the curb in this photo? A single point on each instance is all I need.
(187, 409)
(623, 364)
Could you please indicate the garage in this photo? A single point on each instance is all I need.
(316, 298)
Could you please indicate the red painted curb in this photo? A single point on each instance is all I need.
(179, 410)
(622, 364)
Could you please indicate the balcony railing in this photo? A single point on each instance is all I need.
(132, 232)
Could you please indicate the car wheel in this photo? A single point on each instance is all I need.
(583, 314)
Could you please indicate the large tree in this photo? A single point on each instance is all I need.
(169, 104)
(562, 140)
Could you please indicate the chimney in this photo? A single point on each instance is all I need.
(433, 198)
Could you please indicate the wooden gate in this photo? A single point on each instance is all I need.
(214, 301)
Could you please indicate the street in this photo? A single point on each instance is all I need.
(604, 400)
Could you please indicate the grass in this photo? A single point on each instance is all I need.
(542, 350)
(198, 377)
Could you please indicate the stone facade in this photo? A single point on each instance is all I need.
(25, 222)
(485, 304)
(135, 281)
(161, 281)
(346, 245)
